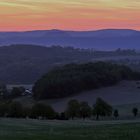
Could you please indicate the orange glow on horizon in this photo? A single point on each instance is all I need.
(21, 15)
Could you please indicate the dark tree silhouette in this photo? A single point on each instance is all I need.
(101, 108)
(116, 113)
(73, 109)
(135, 111)
(85, 110)
(3, 109)
(43, 111)
(74, 78)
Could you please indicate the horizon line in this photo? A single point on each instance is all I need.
(69, 30)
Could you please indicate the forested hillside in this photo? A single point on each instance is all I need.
(74, 78)
(24, 64)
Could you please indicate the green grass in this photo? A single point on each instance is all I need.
(13, 129)
(126, 109)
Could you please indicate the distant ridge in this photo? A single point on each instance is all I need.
(106, 39)
(24, 64)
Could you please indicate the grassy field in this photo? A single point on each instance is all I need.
(13, 129)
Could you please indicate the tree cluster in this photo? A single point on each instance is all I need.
(74, 110)
(7, 94)
(17, 110)
(77, 109)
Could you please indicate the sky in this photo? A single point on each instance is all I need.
(22, 15)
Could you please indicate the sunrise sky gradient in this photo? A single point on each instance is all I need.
(21, 15)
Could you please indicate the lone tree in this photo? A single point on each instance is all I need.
(85, 110)
(101, 108)
(73, 109)
(116, 113)
(135, 111)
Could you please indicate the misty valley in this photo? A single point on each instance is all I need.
(58, 85)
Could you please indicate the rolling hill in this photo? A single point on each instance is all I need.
(24, 64)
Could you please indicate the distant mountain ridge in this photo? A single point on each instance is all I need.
(107, 39)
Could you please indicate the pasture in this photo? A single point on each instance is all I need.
(20, 129)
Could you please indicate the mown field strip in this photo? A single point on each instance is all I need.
(20, 129)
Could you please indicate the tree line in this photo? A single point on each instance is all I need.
(74, 78)
(14, 92)
(74, 109)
